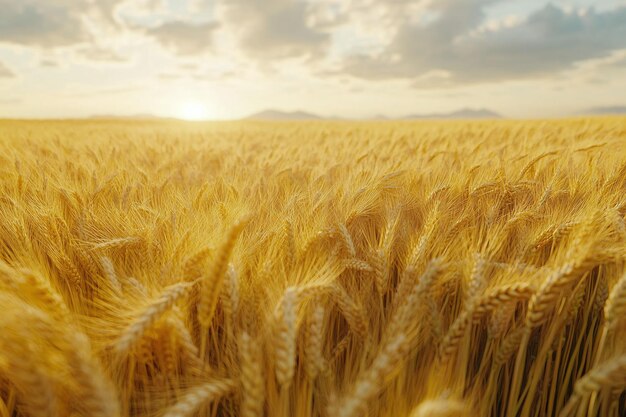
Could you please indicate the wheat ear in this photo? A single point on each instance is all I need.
(211, 285)
(117, 243)
(109, 272)
(313, 348)
(165, 348)
(99, 397)
(368, 384)
(357, 265)
(499, 321)
(545, 298)
(403, 317)
(146, 319)
(346, 238)
(49, 298)
(476, 311)
(380, 267)
(615, 306)
(607, 375)
(290, 245)
(95, 393)
(441, 408)
(541, 303)
(70, 272)
(21, 363)
(509, 346)
(477, 277)
(194, 265)
(230, 295)
(354, 314)
(199, 396)
(381, 258)
(286, 338)
(614, 310)
(419, 249)
(252, 382)
(189, 349)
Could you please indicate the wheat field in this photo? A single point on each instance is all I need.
(345, 269)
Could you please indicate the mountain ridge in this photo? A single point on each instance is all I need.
(605, 110)
(464, 113)
(271, 114)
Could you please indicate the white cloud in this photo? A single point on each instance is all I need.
(274, 29)
(350, 47)
(462, 42)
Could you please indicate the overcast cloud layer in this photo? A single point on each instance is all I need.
(350, 46)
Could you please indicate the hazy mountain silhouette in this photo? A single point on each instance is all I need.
(301, 115)
(459, 114)
(283, 115)
(608, 110)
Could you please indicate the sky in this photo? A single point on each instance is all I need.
(225, 59)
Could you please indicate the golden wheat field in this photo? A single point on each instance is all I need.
(458, 269)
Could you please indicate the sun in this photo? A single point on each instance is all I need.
(194, 111)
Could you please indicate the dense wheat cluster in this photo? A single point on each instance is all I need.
(313, 269)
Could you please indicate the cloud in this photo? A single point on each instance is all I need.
(46, 23)
(425, 42)
(41, 23)
(185, 38)
(458, 46)
(275, 29)
(5, 72)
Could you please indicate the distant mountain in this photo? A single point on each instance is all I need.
(283, 115)
(599, 111)
(301, 115)
(459, 114)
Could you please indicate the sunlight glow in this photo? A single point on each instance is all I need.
(194, 111)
